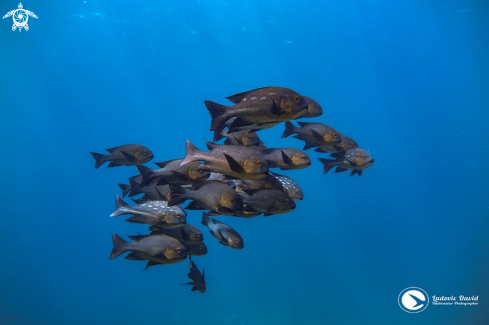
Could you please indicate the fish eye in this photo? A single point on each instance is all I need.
(335, 135)
(351, 143)
(232, 200)
(178, 215)
(363, 156)
(236, 241)
(317, 108)
(286, 201)
(144, 152)
(251, 138)
(303, 157)
(296, 191)
(259, 162)
(297, 99)
(179, 250)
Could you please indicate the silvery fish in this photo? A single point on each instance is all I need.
(290, 187)
(171, 172)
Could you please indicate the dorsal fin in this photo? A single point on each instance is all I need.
(116, 148)
(164, 163)
(302, 124)
(211, 145)
(237, 98)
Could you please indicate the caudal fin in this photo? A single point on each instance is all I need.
(146, 175)
(120, 207)
(99, 159)
(328, 164)
(289, 129)
(176, 194)
(206, 221)
(218, 114)
(126, 188)
(192, 151)
(119, 246)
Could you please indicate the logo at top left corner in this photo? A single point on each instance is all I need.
(20, 17)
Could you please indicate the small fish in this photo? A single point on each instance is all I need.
(353, 159)
(254, 127)
(226, 235)
(345, 144)
(127, 155)
(152, 191)
(313, 108)
(171, 172)
(314, 134)
(254, 184)
(234, 161)
(291, 188)
(186, 234)
(262, 105)
(159, 249)
(286, 158)
(196, 249)
(267, 201)
(240, 138)
(209, 195)
(156, 213)
(198, 279)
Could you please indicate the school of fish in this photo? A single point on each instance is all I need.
(230, 179)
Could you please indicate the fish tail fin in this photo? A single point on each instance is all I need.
(328, 164)
(125, 189)
(289, 129)
(217, 112)
(177, 194)
(99, 159)
(206, 221)
(219, 133)
(192, 152)
(119, 246)
(120, 207)
(146, 175)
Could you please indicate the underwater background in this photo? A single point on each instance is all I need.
(408, 80)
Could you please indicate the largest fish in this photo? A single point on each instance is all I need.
(262, 105)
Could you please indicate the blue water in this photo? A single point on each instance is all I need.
(408, 80)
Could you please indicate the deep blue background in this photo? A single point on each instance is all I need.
(409, 80)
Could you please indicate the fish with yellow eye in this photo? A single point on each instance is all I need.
(171, 172)
(186, 234)
(355, 160)
(258, 106)
(126, 155)
(156, 213)
(286, 158)
(216, 196)
(234, 161)
(267, 201)
(313, 108)
(158, 249)
(345, 144)
(226, 235)
(240, 138)
(314, 134)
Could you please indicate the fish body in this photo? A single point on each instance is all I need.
(269, 181)
(314, 134)
(234, 161)
(345, 144)
(240, 138)
(198, 279)
(127, 155)
(159, 249)
(355, 160)
(156, 213)
(172, 172)
(313, 108)
(262, 105)
(290, 187)
(209, 195)
(268, 201)
(152, 191)
(286, 158)
(186, 234)
(226, 235)
(196, 249)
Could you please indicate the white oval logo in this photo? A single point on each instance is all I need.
(413, 300)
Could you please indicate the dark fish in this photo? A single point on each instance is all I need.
(196, 249)
(226, 235)
(171, 172)
(127, 155)
(262, 105)
(291, 188)
(313, 108)
(156, 250)
(152, 191)
(186, 234)
(234, 161)
(267, 201)
(240, 138)
(254, 184)
(156, 213)
(353, 159)
(314, 134)
(198, 279)
(286, 158)
(345, 144)
(254, 127)
(209, 195)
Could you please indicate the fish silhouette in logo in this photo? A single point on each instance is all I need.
(419, 302)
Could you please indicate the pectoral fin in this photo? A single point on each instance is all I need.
(129, 157)
(234, 165)
(286, 159)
